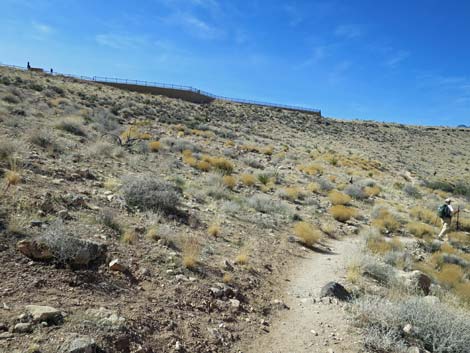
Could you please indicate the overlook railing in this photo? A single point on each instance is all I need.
(174, 87)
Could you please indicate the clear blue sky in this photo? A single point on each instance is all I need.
(402, 61)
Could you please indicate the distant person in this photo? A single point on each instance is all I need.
(28, 66)
(445, 213)
(52, 72)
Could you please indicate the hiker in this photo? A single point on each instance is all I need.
(28, 66)
(52, 72)
(445, 213)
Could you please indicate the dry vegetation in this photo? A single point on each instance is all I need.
(197, 199)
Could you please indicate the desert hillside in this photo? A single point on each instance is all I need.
(139, 223)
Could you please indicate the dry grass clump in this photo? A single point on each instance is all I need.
(227, 278)
(145, 136)
(338, 198)
(44, 139)
(12, 177)
(112, 184)
(353, 273)
(242, 257)
(459, 237)
(450, 275)
(329, 229)
(291, 193)
(342, 213)
(222, 164)
(462, 290)
(214, 230)
(152, 233)
(371, 191)
(8, 149)
(248, 179)
(419, 229)
(386, 222)
(191, 252)
(229, 181)
(311, 169)
(307, 234)
(155, 146)
(314, 187)
(129, 236)
(267, 150)
(424, 214)
(202, 166)
(130, 133)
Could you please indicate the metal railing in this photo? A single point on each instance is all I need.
(172, 86)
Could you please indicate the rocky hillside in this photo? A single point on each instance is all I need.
(139, 223)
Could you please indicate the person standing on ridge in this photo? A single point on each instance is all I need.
(28, 66)
(445, 213)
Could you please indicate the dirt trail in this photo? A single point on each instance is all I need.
(312, 325)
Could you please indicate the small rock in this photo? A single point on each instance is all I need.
(3, 327)
(116, 265)
(6, 335)
(235, 303)
(144, 272)
(82, 344)
(36, 223)
(23, 327)
(64, 214)
(413, 349)
(335, 290)
(44, 313)
(313, 332)
(407, 329)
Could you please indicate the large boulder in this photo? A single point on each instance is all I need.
(63, 249)
(335, 290)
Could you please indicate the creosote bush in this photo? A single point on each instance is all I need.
(307, 234)
(148, 193)
(214, 230)
(229, 181)
(248, 179)
(155, 146)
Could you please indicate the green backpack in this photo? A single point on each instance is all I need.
(444, 211)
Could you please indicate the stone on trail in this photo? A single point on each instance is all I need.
(83, 344)
(335, 290)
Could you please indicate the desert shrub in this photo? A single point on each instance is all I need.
(355, 191)
(101, 149)
(8, 150)
(229, 181)
(154, 146)
(107, 217)
(203, 166)
(44, 139)
(242, 257)
(253, 162)
(72, 126)
(379, 339)
(152, 233)
(248, 179)
(400, 259)
(338, 198)
(324, 184)
(462, 290)
(231, 207)
(459, 238)
(12, 177)
(437, 327)
(266, 204)
(342, 213)
(191, 250)
(11, 99)
(424, 214)
(307, 234)
(179, 145)
(412, 191)
(148, 193)
(264, 178)
(104, 121)
(455, 260)
(419, 229)
(381, 272)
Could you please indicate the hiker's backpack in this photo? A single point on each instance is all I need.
(444, 211)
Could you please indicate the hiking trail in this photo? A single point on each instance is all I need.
(310, 324)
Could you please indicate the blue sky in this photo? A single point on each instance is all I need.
(400, 61)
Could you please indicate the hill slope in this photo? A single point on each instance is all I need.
(157, 225)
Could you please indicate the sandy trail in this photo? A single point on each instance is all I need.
(312, 325)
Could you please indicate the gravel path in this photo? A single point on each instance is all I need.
(313, 325)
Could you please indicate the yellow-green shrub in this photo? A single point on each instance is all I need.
(307, 233)
(342, 213)
(338, 198)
